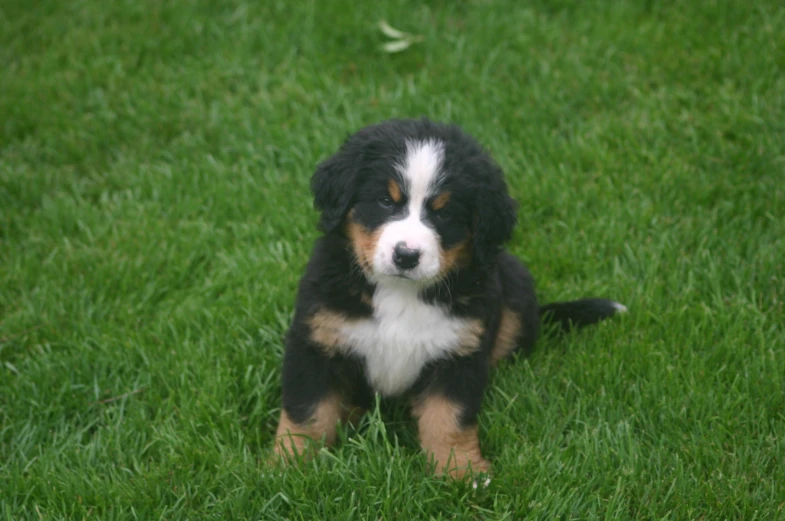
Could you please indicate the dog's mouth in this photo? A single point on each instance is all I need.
(402, 279)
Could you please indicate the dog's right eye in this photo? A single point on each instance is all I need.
(386, 202)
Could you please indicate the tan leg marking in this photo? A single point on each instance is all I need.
(452, 448)
(295, 439)
(507, 337)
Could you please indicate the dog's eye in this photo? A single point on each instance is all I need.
(441, 215)
(386, 202)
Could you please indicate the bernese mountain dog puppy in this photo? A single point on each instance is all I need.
(409, 292)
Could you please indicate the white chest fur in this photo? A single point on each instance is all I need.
(403, 336)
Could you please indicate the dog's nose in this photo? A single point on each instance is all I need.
(405, 258)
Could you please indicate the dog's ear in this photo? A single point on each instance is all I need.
(333, 186)
(495, 217)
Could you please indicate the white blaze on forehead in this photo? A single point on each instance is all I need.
(421, 170)
(421, 173)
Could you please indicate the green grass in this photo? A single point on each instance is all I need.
(155, 218)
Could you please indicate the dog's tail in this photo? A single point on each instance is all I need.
(579, 313)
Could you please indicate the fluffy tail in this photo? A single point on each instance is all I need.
(579, 313)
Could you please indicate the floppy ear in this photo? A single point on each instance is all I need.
(333, 186)
(495, 218)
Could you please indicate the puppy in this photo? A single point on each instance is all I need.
(409, 292)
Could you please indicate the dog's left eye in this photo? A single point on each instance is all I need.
(386, 202)
(441, 215)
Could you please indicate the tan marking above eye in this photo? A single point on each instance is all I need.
(441, 200)
(395, 190)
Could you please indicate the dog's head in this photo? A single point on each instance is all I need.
(416, 199)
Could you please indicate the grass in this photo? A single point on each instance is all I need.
(155, 218)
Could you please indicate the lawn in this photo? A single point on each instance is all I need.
(155, 217)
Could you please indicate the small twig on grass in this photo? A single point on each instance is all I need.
(126, 395)
(400, 40)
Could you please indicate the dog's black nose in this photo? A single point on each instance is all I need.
(405, 258)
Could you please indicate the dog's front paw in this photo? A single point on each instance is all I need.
(458, 465)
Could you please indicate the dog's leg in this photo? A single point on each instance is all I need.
(447, 418)
(293, 438)
(454, 448)
(319, 392)
(311, 408)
